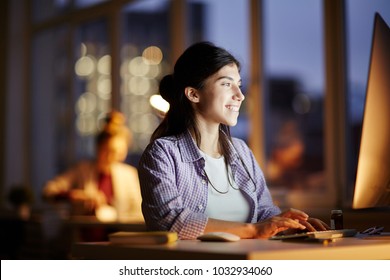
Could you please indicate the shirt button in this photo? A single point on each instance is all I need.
(204, 182)
(200, 207)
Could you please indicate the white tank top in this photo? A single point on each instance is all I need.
(224, 201)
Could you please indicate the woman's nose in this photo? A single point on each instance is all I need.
(239, 95)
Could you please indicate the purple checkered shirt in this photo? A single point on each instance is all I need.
(175, 190)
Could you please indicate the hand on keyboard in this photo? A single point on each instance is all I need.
(313, 224)
(325, 234)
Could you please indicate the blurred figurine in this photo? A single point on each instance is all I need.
(106, 187)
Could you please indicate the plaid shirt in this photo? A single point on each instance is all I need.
(174, 186)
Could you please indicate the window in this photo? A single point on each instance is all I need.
(47, 9)
(50, 103)
(83, 64)
(145, 59)
(294, 92)
(92, 83)
(210, 20)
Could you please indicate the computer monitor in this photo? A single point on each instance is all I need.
(372, 186)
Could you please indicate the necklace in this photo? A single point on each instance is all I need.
(230, 182)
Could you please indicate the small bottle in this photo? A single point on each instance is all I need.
(336, 219)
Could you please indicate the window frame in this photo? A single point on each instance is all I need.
(336, 148)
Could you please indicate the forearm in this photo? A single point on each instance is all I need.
(56, 190)
(263, 229)
(244, 230)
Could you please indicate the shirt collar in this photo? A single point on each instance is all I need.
(190, 151)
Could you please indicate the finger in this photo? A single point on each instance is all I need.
(289, 223)
(326, 226)
(309, 226)
(294, 214)
(318, 224)
(323, 226)
(278, 230)
(275, 225)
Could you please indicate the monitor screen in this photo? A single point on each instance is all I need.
(372, 186)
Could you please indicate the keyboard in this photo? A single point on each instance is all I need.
(324, 234)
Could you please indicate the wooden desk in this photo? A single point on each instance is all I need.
(345, 248)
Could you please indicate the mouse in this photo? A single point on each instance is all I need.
(219, 236)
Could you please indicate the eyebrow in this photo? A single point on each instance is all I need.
(227, 77)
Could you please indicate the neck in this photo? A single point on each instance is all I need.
(104, 168)
(209, 143)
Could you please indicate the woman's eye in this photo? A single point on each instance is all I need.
(226, 84)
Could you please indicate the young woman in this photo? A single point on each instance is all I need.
(92, 185)
(195, 178)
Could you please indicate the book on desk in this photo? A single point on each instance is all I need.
(142, 238)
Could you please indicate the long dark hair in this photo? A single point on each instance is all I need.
(193, 67)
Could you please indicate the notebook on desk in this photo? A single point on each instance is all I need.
(142, 238)
(326, 234)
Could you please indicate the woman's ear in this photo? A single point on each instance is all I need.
(192, 94)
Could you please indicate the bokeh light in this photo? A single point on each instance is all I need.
(85, 66)
(152, 55)
(159, 103)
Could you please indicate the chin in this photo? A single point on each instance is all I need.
(231, 123)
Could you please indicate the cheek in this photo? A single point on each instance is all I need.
(121, 156)
(121, 153)
(210, 103)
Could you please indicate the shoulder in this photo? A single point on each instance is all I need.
(240, 145)
(125, 167)
(162, 145)
(167, 141)
(244, 151)
(160, 149)
(169, 145)
(180, 147)
(124, 170)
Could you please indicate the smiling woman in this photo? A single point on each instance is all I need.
(195, 178)
(221, 99)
